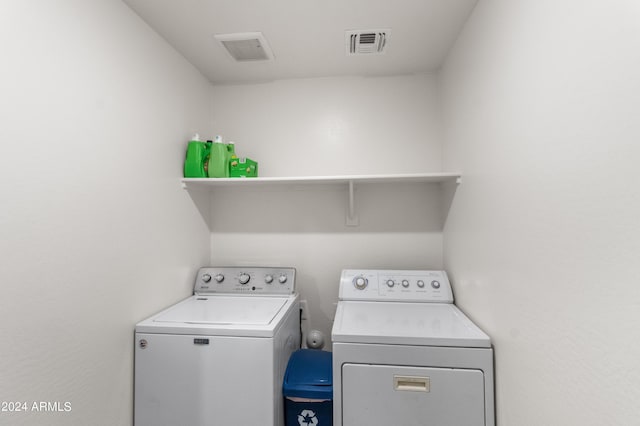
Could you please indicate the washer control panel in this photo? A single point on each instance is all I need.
(395, 285)
(238, 280)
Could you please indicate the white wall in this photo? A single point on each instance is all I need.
(542, 242)
(96, 231)
(332, 126)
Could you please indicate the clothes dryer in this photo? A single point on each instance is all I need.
(218, 358)
(405, 355)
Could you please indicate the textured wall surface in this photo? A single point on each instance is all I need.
(542, 241)
(334, 126)
(96, 232)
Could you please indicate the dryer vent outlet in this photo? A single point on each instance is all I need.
(367, 42)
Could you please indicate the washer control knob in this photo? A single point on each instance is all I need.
(420, 283)
(435, 284)
(390, 283)
(268, 278)
(360, 282)
(405, 283)
(219, 278)
(206, 278)
(282, 279)
(244, 278)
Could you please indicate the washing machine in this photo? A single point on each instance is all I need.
(218, 358)
(405, 355)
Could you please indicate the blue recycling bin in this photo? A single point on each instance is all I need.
(308, 389)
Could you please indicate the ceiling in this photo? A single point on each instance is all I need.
(307, 37)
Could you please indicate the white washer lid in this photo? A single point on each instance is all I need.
(398, 323)
(222, 315)
(220, 310)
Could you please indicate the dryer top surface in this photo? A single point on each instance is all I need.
(400, 323)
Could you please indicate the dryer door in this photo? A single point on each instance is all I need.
(377, 395)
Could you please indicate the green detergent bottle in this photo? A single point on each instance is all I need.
(219, 159)
(196, 161)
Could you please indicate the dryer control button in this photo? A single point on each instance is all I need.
(435, 284)
(420, 283)
(360, 283)
(390, 283)
(206, 278)
(268, 278)
(244, 278)
(405, 283)
(282, 279)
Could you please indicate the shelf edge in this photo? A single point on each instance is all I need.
(229, 182)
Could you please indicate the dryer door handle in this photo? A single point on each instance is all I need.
(411, 383)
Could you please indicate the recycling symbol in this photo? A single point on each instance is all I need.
(307, 418)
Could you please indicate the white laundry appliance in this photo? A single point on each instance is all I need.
(218, 358)
(405, 355)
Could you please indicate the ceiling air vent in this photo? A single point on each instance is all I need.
(367, 42)
(246, 46)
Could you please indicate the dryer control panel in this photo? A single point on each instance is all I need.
(395, 285)
(245, 280)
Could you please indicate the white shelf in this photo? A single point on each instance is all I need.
(200, 185)
(205, 183)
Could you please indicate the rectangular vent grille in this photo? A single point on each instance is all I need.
(369, 42)
(244, 47)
